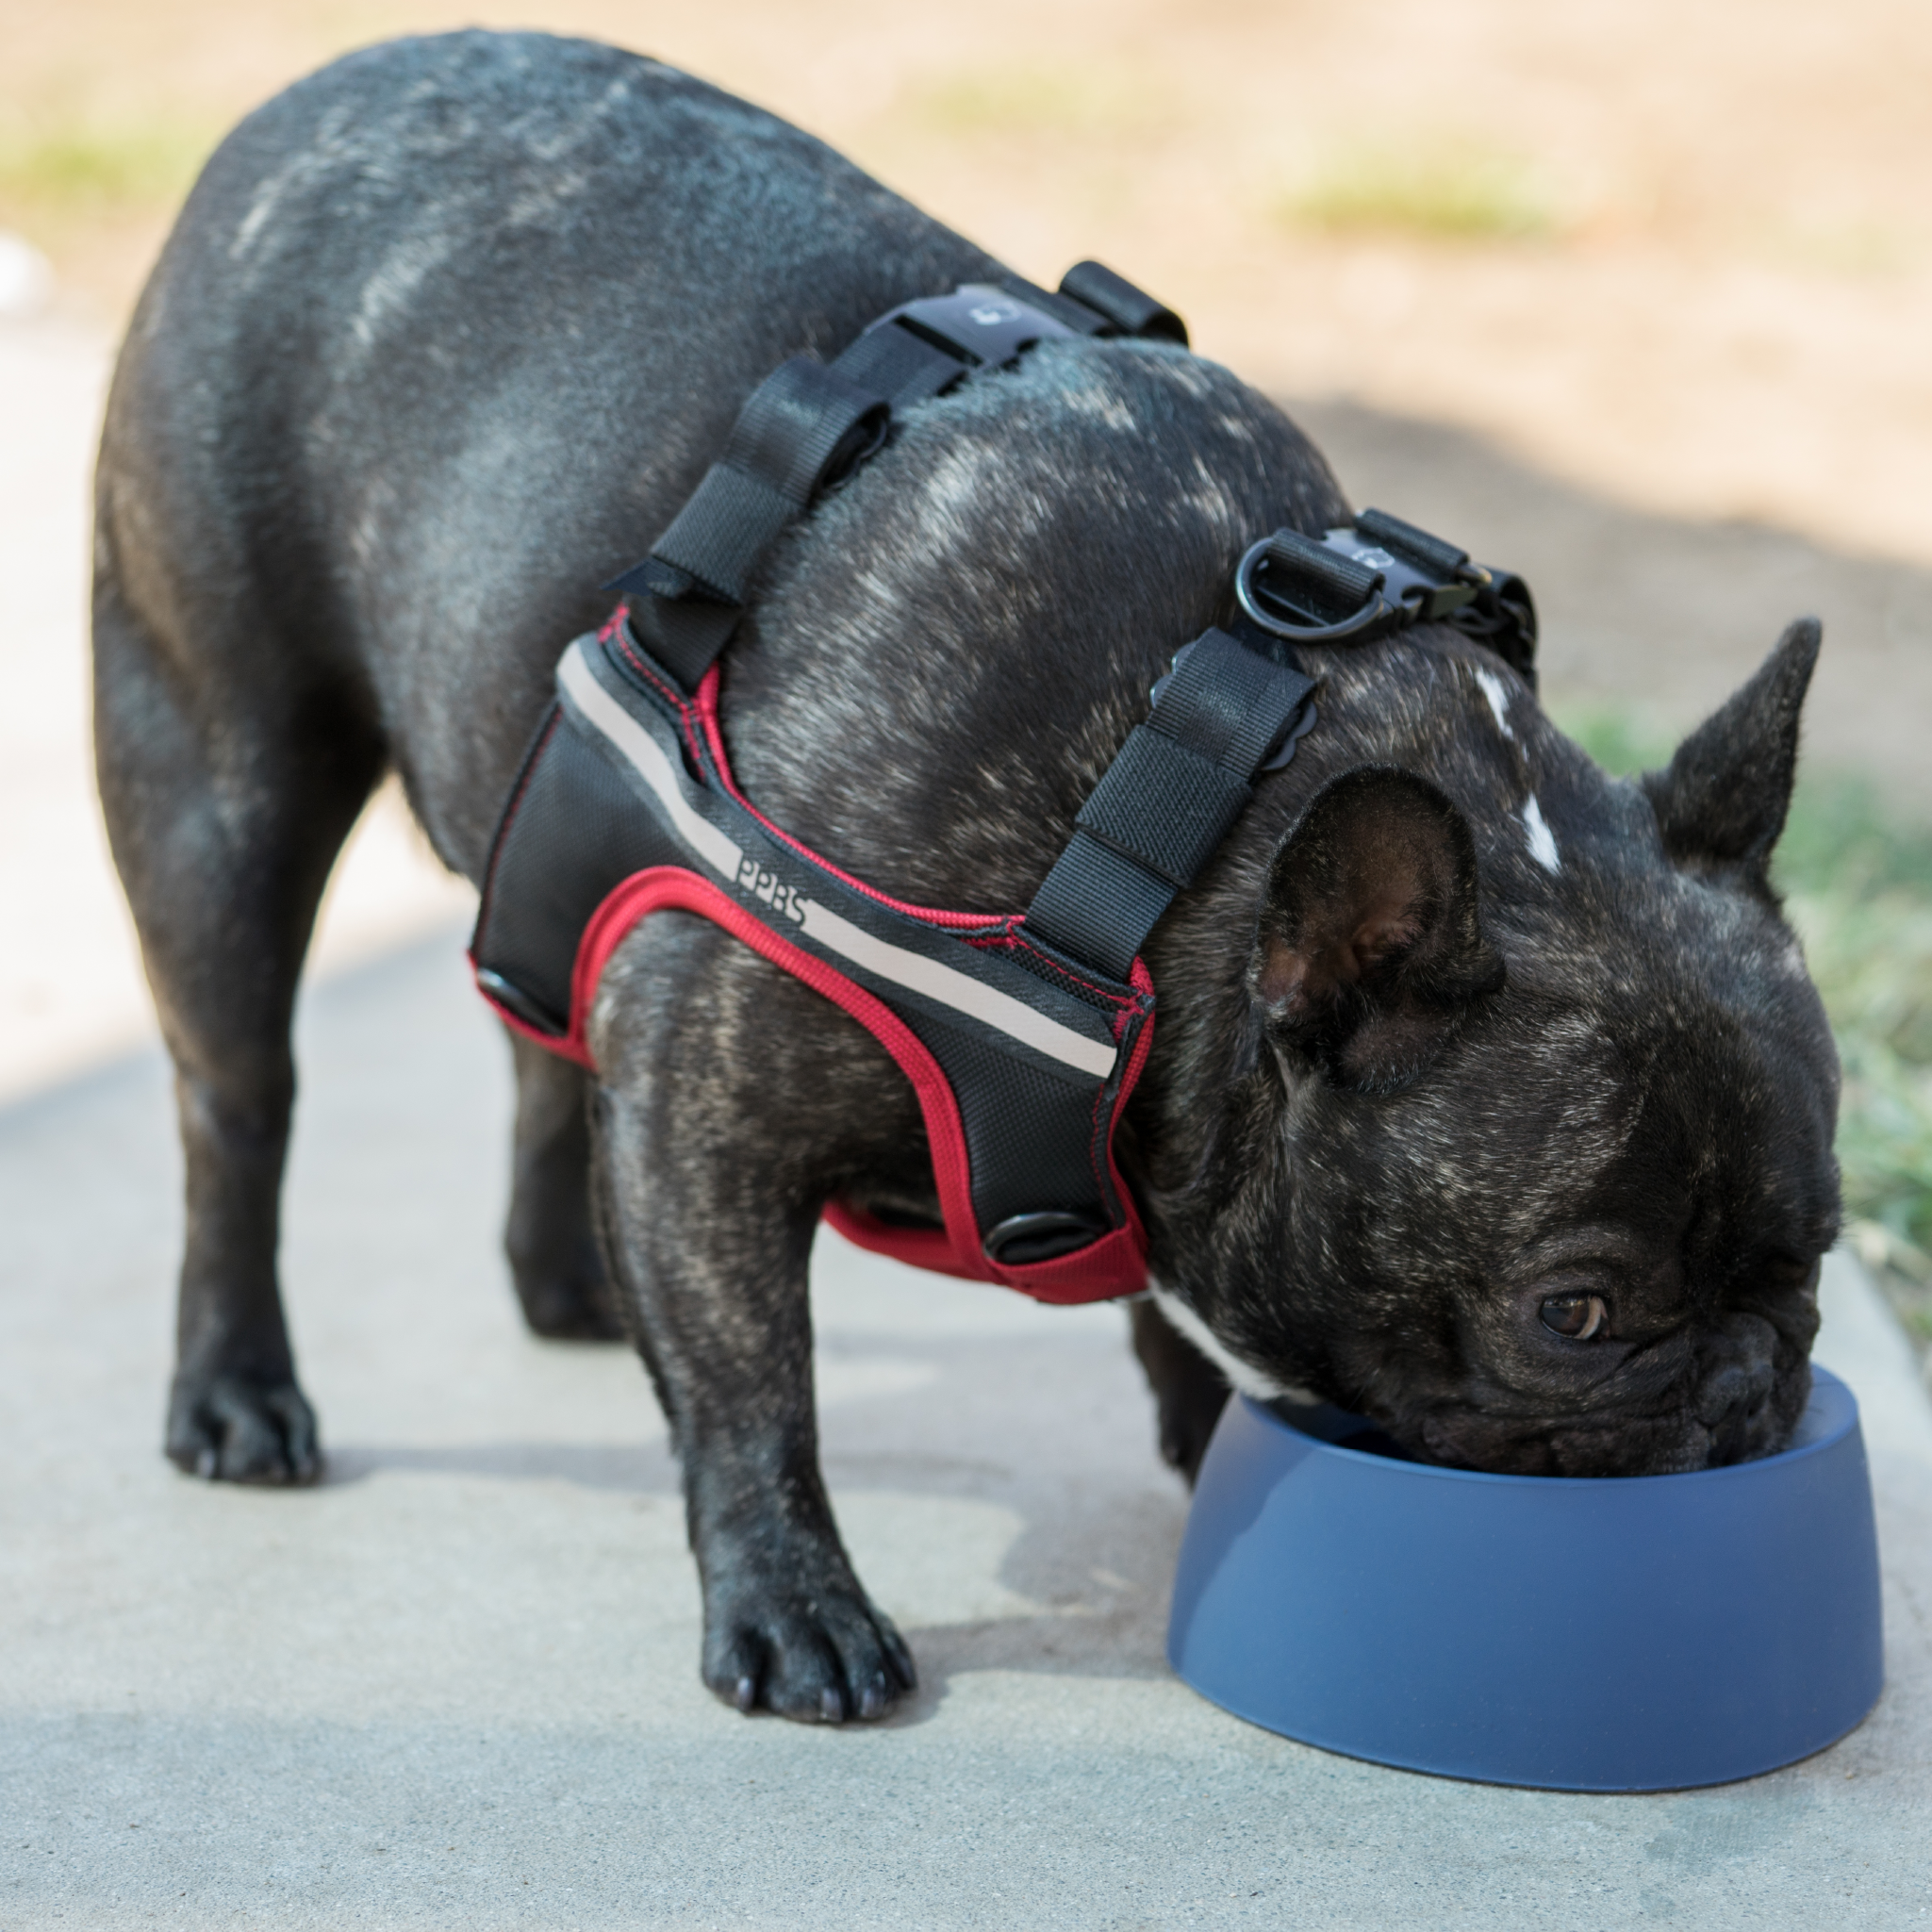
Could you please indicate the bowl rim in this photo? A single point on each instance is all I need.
(1822, 1383)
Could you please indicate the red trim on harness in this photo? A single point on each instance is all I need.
(705, 705)
(1107, 1268)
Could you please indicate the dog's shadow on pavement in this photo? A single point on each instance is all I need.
(627, 1468)
(1086, 1574)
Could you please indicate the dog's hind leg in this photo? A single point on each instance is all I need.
(229, 777)
(550, 1240)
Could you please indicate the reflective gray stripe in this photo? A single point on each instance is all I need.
(647, 757)
(880, 957)
(1000, 1011)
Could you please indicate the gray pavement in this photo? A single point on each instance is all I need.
(455, 1686)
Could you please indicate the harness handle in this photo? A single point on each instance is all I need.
(809, 424)
(1132, 311)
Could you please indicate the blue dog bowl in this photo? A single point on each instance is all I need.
(1616, 1634)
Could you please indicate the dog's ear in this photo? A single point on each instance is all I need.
(1721, 803)
(1370, 945)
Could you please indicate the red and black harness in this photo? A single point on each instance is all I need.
(1023, 1035)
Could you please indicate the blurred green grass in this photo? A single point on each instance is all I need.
(1857, 887)
(60, 165)
(1033, 100)
(1436, 193)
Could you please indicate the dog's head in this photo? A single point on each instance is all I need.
(1489, 1094)
(1528, 1153)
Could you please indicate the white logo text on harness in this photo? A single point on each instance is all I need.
(756, 882)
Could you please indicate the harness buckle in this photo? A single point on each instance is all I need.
(979, 325)
(1365, 580)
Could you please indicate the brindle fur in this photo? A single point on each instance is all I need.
(443, 338)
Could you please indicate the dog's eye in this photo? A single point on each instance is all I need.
(1575, 1317)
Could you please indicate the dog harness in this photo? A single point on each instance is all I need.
(1023, 1034)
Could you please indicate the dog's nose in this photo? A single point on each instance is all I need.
(1740, 1358)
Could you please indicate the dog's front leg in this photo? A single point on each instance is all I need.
(726, 1089)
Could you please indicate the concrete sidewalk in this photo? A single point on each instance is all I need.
(455, 1686)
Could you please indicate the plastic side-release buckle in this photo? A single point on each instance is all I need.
(978, 324)
(1438, 583)
(1360, 581)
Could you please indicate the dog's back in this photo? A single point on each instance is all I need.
(445, 333)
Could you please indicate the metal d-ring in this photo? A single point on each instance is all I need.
(1375, 610)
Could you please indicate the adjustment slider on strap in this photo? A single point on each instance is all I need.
(804, 426)
(1165, 803)
(1128, 311)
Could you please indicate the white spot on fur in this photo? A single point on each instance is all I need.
(390, 289)
(259, 210)
(1498, 695)
(295, 174)
(961, 481)
(1213, 501)
(1096, 405)
(538, 208)
(261, 205)
(953, 486)
(1242, 1375)
(1543, 842)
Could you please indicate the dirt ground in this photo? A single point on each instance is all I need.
(1632, 299)
(1678, 252)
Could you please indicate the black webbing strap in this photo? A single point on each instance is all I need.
(809, 423)
(901, 366)
(1167, 801)
(801, 424)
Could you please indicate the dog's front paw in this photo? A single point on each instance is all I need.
(816, 1654)
(230, 1429)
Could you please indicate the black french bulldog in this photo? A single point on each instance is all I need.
(1489, 1096)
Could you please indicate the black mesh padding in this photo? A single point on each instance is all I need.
(576, 830)
(1029, 1134)
(579, 822)
(1078, 982)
